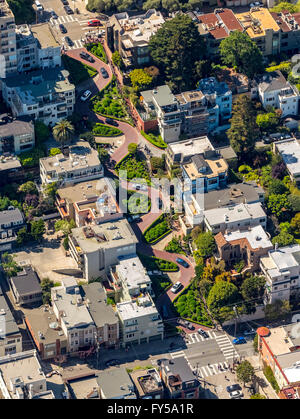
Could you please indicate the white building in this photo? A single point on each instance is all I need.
(282, 271)
(10, 335)
(290, 153)
(234, 217)
(73, 315)
(274, 90)
(8, 48)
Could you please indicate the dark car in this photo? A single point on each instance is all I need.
(233, 387)
(65, 2)
(87, 57)
(62, 28)
(104, 73)
(112, 363)
(182, 262)
(111, 122)
(68, 10)
(69, 41)
(53, 14)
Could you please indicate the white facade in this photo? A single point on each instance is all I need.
(290, 153)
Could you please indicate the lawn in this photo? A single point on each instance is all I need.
(79, 72)
(98, 50)
(136, 168)
(105, 131)
(157, 230)
(108, 102)
(154, 139)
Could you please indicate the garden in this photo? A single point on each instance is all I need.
(153, 263)
(79, 72)
(137, 203)
(176, 246)
(97, 50)
(103, 130)
(108, 102)
(134, 166)
(157, 230)
(160, 284)
(154, 139)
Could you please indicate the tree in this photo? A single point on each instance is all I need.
(38, 229)
(28, 188)
(204, 287)
(117, 59)
(152, 4)
(257, 396)
(284, 5)
(277, 204)
(243, 131)
(285, 227)
(50, 189)
(222, 295)
(104, 156)
(294, 202)
(205, 243)
(245, 372)
(140, 80)
(253, 287)
(278, 170)
(175, 48)
(23, 236)
(280, 309)
(63, 131)
(9, 265)
(64, 226)
(42, 132)
(295, 224)
(283, 239)
(132, 148)
(239, 51)
(46, 286)
(203, 69)
(277, 187)
(267, 121)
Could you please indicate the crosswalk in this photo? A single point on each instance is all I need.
(211, 369)
(226, 347)
(69, 19)
(196, 337)
(77, 44)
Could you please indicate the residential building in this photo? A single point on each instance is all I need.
(73, 316)
(85, 387)
(140, 321)
(130, 35)
(45, 94)
(10, 335)
(290, 153)
(103, 315)
(275, 91)
(8, 48)
(21, 376)
(248, 245)
(179, 380)
(77, 163)
(11, 220)
(289, 31)
(25, 287)
(115, 384)
(10, 168)
(90, 202)
(96, 248)
(148, 384)
(234, 217)
(282, 272)
(262, 28)
(16, 135)
(46, 333)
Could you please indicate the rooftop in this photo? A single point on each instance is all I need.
(234, 213)
(256, 237)
(147, 381)
(26, 281)
(131, 270)
(161, 94)
(11, 215)
(191, 147)
(84, 388)
(11, 126)
(205, 166)
(273, 81)
(211, 86)
(44, 35)
(10, 162)
(290, 153)
(143, 306)
(116, 384)
(5, 10)
(281, 260)
(178, 367)
(256, 21)
(11, 327)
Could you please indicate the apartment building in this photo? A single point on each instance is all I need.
(115, 384)
(274, 90)
(16, 134)
(290, 153)
(289, 30)
(11, 220)
(96, 248)
(21, 377)
(73, 316)
(281, 268)
(8, 48)
(45, 94)
(105, 318)
(148, 384)
(140, 321)
(179, 380)
(77, 163)
(10, 335)
(248, 245)
(25, 287)
(130, 35)
(90, 202)
(234, 217)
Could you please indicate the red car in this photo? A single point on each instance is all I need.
(94, 22)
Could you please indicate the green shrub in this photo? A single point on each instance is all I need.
(79, 72)
(271, 378)
(98, 50)
(106, 131)
(31, 158)
(154, 139)
(156, 231)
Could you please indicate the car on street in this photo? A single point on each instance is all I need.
(62, 28)
(68, 10)
(87, 57)
(65, 2)
(176, 287)
(53, 14)
(85, 95)
(238, 341)
(69, 41)
(233, 387)
(112, 363)
(202, 333)
(182, 262)
(111, 122)
(104, 73)
(94, 22)
(189, 326)
(236, 394)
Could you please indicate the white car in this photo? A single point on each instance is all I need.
(86, 95)
(176, 287)
(236, 394)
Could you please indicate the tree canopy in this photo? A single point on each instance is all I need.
(140, 79)
(245, 372)
(253, 287)
(63, 131)
(205, 243)
(220, 299)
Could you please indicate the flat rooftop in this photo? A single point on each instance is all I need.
(131, 310)
(162, 95)
(279, 341)
(116, 383)
(290, 153)
(83, 387)
(146, 381)
(281, 260)
(16, 127)
(107, 235)
(256, 236)
(26, 281)
(43, 34)
(250, 19)
(179, 366)
(191, 147)
(6, 11)
(239, 212)
(11, 327)
(190, 96)
(9, 163)
(214, 166)
(131, 270)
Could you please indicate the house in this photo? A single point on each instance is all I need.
(95, 248)
(46, 332)
(115, 384)
(45, 94)
(281, 268)
(8, 48)
(130, 35)
(248, 245)
(275, 91)
(289, 24)
(290, 153)
(148, 384)
(85, 387)
(140, 321)
(73, 316)
(11, 220)
(25, 287)
(103, 315)
(10, 335)
(234, 217)
(77, 163)
(16, 134)
(89, 202)
(179, 380)
(21, 376)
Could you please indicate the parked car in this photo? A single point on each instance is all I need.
(233, 387)
(182, 262)
(53, 14)
(104, 73)
(68, 10)
(203, 333)
(112, 363)
(236, 394)
(189, 326)
(111, 122)
(250, 332)
(176, 287)
(69, 41)
(239, 340)
(85, 95)
(94, 22)
(62, 28)
(87, 57)
(65, 2)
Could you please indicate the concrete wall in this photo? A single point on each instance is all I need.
(259, 314)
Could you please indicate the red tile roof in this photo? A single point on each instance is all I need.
(229, 19)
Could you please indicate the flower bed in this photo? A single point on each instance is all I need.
(139, 204)
(108, 102)
(157, 230)
(136, 169)
(155, 140)
(79, 72)
(97, 50)
(154, 263)
(106, 131)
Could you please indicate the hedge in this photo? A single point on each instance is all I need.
(105, 131)
(157, 230)
(79, 72)
(97, 50)
(268, 373)
(156, 140)
(154, 263)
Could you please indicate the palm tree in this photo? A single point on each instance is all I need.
(63, 131)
